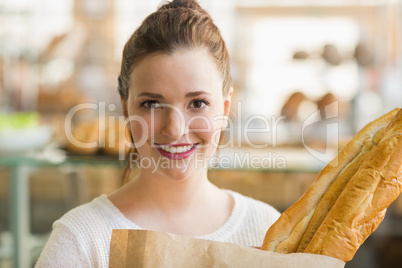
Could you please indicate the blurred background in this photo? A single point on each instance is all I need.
(307, 75)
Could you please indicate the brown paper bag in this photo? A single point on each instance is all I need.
(142, 248)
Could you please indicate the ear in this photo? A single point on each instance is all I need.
(226, 107)
(124, 107)
(228, 101)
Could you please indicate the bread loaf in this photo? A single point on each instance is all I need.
(286, 234)
(336, 188)
(361, 206)
(84, 134)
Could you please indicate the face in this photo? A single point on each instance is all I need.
(176, 109)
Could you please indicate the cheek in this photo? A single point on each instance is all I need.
(140, 129)
(207, 129)
(143, 128)
(139, 133)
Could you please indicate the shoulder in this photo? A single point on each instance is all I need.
(93, 211)
(97, 215)
(87, 222)
(82, 235)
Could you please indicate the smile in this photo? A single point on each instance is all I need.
(178, 151)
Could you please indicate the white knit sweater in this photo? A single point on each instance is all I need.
(81, 238)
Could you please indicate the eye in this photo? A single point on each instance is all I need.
(150, 104)
(199, 104)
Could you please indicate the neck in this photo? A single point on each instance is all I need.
(154, 201)
(172, 195)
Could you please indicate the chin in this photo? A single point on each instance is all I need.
(178, 174)
(180, 171)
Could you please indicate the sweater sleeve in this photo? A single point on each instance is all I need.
(63, 249)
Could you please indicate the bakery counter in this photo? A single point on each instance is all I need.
(277, 188)
(16, 173)
(275, 175)
(281, 159)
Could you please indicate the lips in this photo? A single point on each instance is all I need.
(176, 151)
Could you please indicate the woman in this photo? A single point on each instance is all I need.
(175, 89)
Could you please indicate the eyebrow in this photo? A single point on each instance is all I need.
(152, 95)
(159, 96)
(196, 93)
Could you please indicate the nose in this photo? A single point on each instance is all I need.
(174, 123)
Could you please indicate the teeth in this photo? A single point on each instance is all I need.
(173, 150)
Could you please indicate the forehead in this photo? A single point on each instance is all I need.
(183, 70)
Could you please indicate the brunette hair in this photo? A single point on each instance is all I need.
(176, 25)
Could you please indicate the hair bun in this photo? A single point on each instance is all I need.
(190, 4)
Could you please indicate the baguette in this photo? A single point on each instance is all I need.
(362, 204)
(285, 234)
(330, 197)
